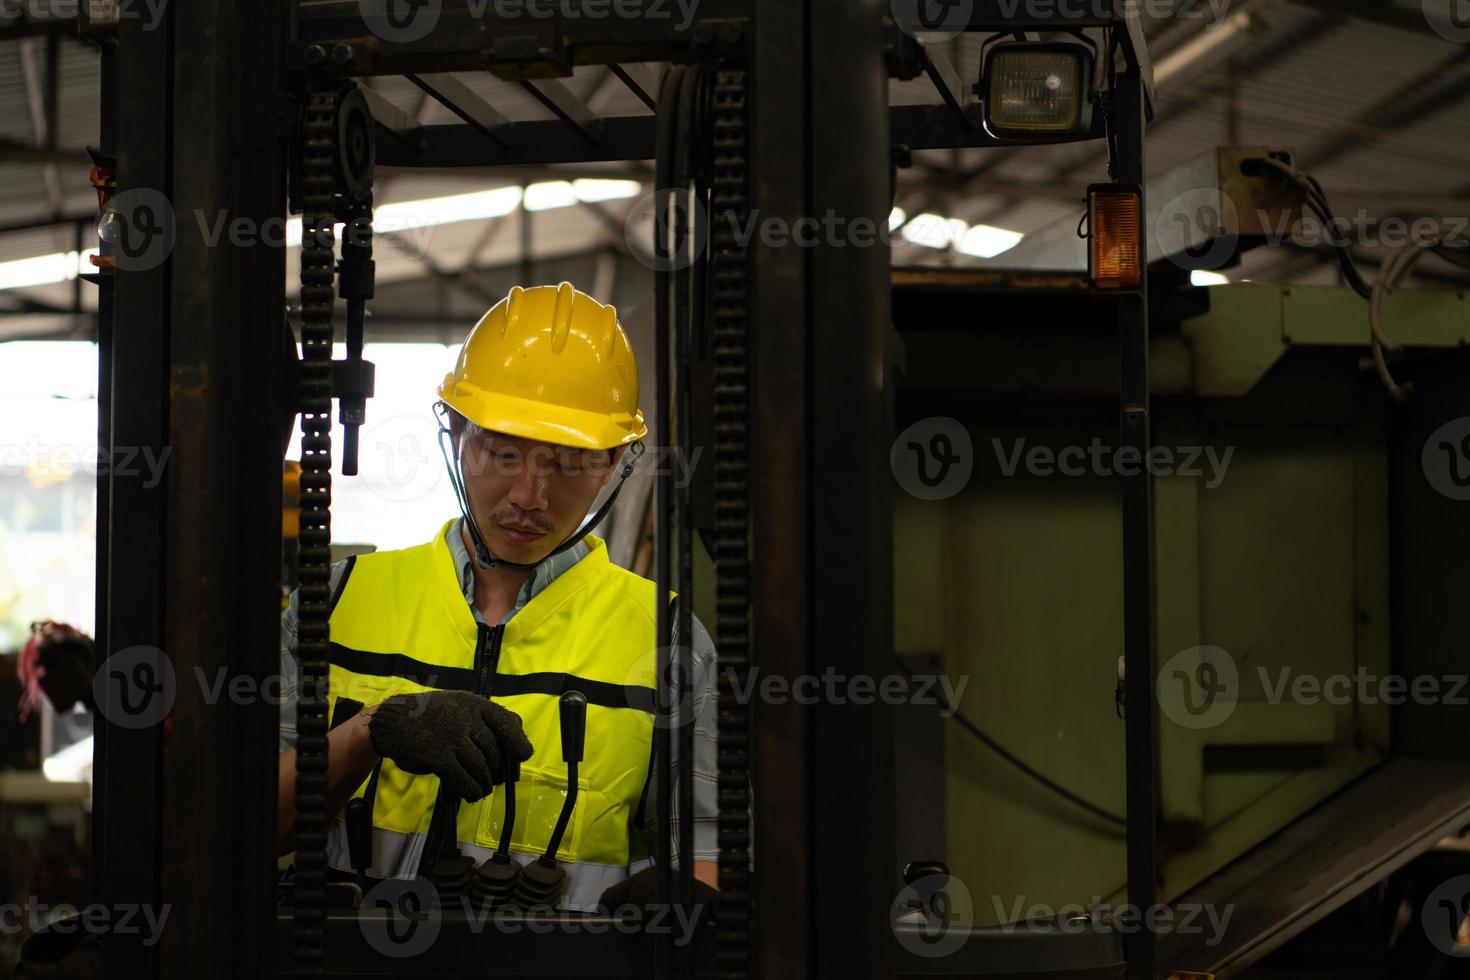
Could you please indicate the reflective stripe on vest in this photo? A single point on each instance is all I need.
(402, 626)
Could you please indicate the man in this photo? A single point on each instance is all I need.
(449, 659)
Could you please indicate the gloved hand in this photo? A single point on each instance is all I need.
(459, 736)
(636, 899)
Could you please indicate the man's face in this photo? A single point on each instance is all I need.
(528, 497)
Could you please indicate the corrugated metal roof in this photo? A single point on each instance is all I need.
(1307, 77)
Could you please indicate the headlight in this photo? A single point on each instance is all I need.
(1037, 92)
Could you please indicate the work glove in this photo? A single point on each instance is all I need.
(459, 736)
(635, 900)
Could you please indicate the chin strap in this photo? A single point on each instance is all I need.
(482, 555)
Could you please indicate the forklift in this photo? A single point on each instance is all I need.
(785, 361)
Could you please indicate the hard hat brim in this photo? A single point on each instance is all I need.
(543, 422)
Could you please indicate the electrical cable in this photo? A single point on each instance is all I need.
(1389, 276)
(1046, 782)
(1106, 104)
(692, 99)
(1317, 201)
(669, 133)
(1454, 254)
(1389, 279)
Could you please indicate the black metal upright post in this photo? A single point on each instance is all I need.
(662, 489)
(850, 565)
(677, 440)
(107, 142)
(193, 553)
(819, 146)
(133, 315)
(781, 936)
(1141, 661)
(222, 599)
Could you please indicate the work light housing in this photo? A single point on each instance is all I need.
(1038, 92)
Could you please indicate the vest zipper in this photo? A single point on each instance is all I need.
(442, 823)
(487, 657)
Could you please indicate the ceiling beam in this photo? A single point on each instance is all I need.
(20, 29)
(463, 278)
(1382, 12)
(14, 151)
(41, 102)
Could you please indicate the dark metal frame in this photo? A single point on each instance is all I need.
(1139, 592)
(185, 345)
(191, 363)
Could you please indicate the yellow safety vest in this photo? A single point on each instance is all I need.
(400, 625)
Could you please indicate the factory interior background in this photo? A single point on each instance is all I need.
(1300, 272)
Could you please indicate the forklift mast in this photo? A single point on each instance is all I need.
(772, 111)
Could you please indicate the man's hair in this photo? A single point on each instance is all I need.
(459, 426)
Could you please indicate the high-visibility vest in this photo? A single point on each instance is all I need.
(400, 625)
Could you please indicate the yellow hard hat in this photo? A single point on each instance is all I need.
(549, 363)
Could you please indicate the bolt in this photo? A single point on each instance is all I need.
(314, 54)
(342, 54)
(704, 33)
(731, 33)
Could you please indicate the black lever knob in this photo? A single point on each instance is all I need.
(573, 726)
(541, 880)
(916, 871)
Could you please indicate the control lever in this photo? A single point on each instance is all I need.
(541, 880)
(916, 871)
(933, 875)
(450, 872)
(496, 878)
(360, 838)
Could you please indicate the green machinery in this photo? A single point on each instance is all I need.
(1302, 544)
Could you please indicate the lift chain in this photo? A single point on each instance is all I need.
(318, 176)
(729, 334)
